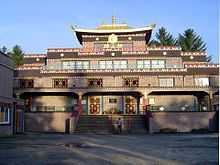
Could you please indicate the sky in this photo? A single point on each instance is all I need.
(41, 24)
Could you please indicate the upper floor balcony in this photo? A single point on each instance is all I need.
(85, 66)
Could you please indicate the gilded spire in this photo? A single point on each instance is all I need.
(113, 20)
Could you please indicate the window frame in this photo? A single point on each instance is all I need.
(61, 80)
(105, 64)
(198, 81)
(143, 65)
(76, 64)
(158, 65)
(120, 64)
(8, 114)
(167, 85)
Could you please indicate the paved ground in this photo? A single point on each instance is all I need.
(93, 149)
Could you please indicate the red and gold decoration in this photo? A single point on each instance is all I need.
(60, 83)
(94, 107)
(131, 82)
(95, 82)
(130, 105)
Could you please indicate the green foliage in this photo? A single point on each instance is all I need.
(164, 38)
(17, 55)
(191, 41)
(3, 49)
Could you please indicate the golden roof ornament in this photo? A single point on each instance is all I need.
(113, 20)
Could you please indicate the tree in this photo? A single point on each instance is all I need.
(3, 49)
(191, 41)
(164, 38)
(17, 55)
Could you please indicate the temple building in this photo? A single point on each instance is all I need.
(11, 120)
(117, 73)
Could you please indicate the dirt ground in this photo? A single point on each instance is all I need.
(91, 149)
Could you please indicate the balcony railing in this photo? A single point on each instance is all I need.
(124, 87)
(51, 109)
(129, 68)
(161, 108)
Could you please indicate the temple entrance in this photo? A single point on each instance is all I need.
(110, 103)
(130, 105)
(94, 105)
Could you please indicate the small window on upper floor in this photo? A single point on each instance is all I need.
(202, 81)
(120, 64)
(157, 63)
(105, 65)
(93, 82)
(60, 83)
(143, 64)
(131, 82)
(26, 83)
(69, 65)
(76, 64)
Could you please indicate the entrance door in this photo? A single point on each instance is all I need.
(130, 105)
(94, 105)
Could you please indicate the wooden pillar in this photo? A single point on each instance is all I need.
(138, 104)
(80, 102)
(210, 98)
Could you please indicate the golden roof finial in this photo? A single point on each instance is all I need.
(113, 20)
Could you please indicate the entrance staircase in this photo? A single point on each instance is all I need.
(105, 124)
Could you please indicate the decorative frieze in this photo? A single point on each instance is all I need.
(193, 53)
(163, 48)
(115, 70)
(35, 55)
(202, 65)
(121, 35)
(57, 50)
(29, 68)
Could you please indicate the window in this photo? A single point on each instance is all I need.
(202, 81)
(166, 82)
(76, 65)
(105, 64)
(131, 82)
(120, 64)
(26, 83)
(112, 100)
(151, 101)
(158, 64)
(95, 82)
(85, 64)
(79, 65)
(69, 65)
(60, 83)
(143, 64)
(4, 114)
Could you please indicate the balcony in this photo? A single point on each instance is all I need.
(51, 109)
(128, 69)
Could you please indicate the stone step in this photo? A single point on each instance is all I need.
(98, 123)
